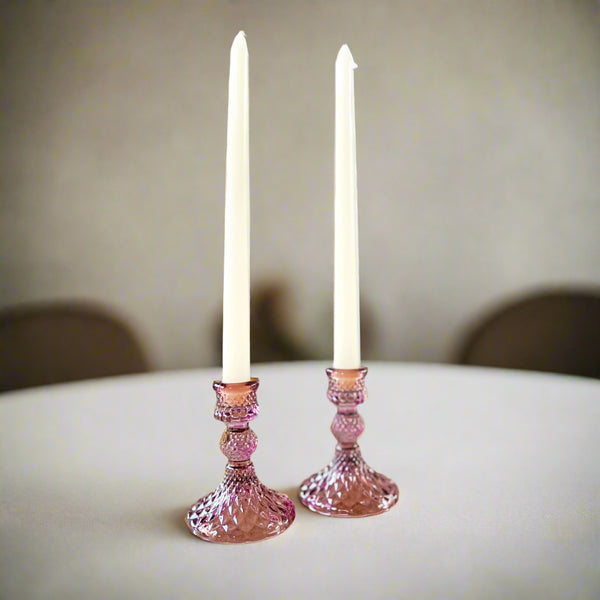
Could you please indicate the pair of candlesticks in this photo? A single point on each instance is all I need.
(242, 509)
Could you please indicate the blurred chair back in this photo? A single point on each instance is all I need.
(49, 343)
(554, 331)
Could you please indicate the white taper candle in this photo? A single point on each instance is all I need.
(236, 271)
(346, 321)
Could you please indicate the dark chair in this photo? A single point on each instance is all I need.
(49, 343)
(556, 331)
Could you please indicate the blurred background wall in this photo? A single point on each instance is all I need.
(478, 135)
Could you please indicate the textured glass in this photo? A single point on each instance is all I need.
(347, 486)
(241, 509)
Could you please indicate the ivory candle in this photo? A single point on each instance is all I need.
(346, 320)
(236, 271)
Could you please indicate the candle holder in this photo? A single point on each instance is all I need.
(347, 486)
(241, 509)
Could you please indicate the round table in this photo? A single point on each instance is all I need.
(499, 477)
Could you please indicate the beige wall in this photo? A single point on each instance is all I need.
(478, 126)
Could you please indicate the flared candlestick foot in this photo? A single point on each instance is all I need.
(240, 510)
(348, 487)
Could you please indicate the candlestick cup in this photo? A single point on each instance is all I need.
(241, 509)
(347, 486)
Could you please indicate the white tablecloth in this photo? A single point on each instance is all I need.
(499, 477)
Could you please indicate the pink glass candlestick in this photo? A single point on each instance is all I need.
(241, 509)
(347, 486)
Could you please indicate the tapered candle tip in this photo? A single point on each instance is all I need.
(346, 55)
(239, 41)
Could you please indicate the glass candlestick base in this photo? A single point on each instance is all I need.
(241, 509)
(347, 486)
